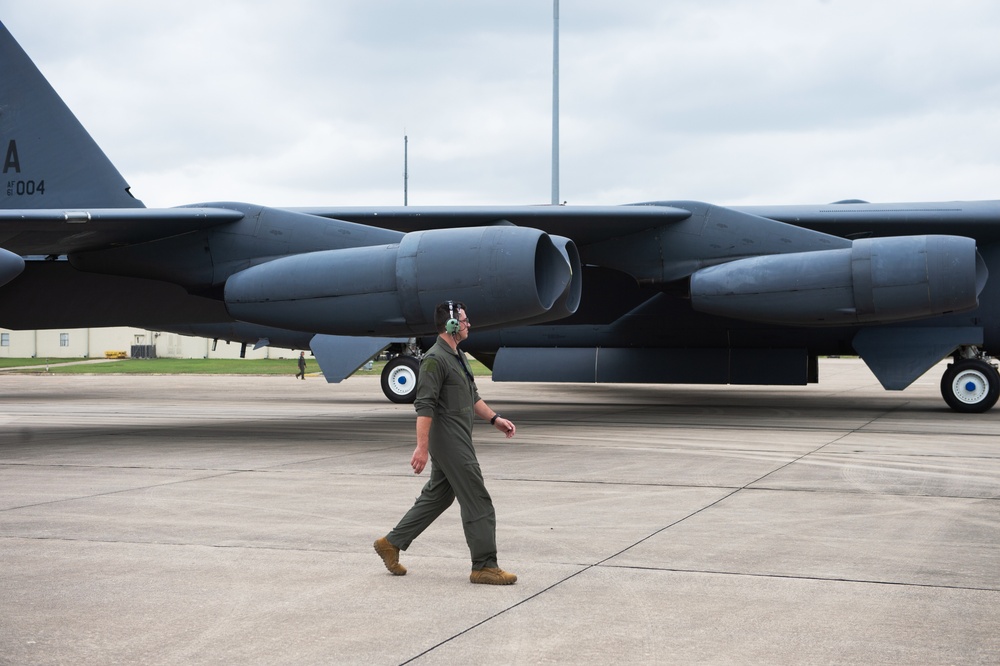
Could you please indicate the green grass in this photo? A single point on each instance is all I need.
(185, 366)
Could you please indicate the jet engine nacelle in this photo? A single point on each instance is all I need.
(877, 280)
(502, 273)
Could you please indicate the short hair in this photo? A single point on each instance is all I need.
(445, 311)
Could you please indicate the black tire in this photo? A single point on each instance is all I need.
(970, 386)
(399, 379)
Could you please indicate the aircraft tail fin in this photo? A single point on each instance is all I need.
(47, 159)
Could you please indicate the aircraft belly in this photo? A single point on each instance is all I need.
(653, 366)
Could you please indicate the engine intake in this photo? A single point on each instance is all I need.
(877, 280)
(503, 274)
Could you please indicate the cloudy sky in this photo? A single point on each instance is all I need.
(306, 102)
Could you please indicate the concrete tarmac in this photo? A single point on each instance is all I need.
(217, 520)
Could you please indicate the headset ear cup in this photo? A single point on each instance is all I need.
(451, 326)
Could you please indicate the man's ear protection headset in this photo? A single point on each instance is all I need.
(451, 326)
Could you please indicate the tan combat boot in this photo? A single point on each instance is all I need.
(492, 576)
(390, 556)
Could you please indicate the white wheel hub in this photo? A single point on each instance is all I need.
(970, 387)
(402, 380)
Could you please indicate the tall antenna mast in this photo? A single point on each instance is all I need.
(406, 169)
(555, 102)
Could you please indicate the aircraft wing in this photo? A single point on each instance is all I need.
(858, 219)
(583, 224)
(59, 232)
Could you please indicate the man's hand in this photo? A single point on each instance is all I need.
(505, 426)
(419, 459)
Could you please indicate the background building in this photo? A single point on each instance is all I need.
(94, 342)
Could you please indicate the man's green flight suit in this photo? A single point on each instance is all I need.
(446, 392)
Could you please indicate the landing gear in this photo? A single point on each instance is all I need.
(399, 379)
(971, 384)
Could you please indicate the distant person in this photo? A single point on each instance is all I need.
(302, 366)
(446, 401)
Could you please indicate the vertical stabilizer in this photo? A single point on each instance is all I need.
(47, 158)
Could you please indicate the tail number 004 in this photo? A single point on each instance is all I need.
(23, 188)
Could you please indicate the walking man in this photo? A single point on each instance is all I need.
(302, 366)
(446, 402)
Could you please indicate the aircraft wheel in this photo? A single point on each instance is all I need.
(970, 386)
(399, 379)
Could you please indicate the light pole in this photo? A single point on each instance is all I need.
(555, 102)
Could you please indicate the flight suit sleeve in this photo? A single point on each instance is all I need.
(429, 382)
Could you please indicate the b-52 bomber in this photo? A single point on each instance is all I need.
(658, 292)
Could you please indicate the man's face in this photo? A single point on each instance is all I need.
(463, 326)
